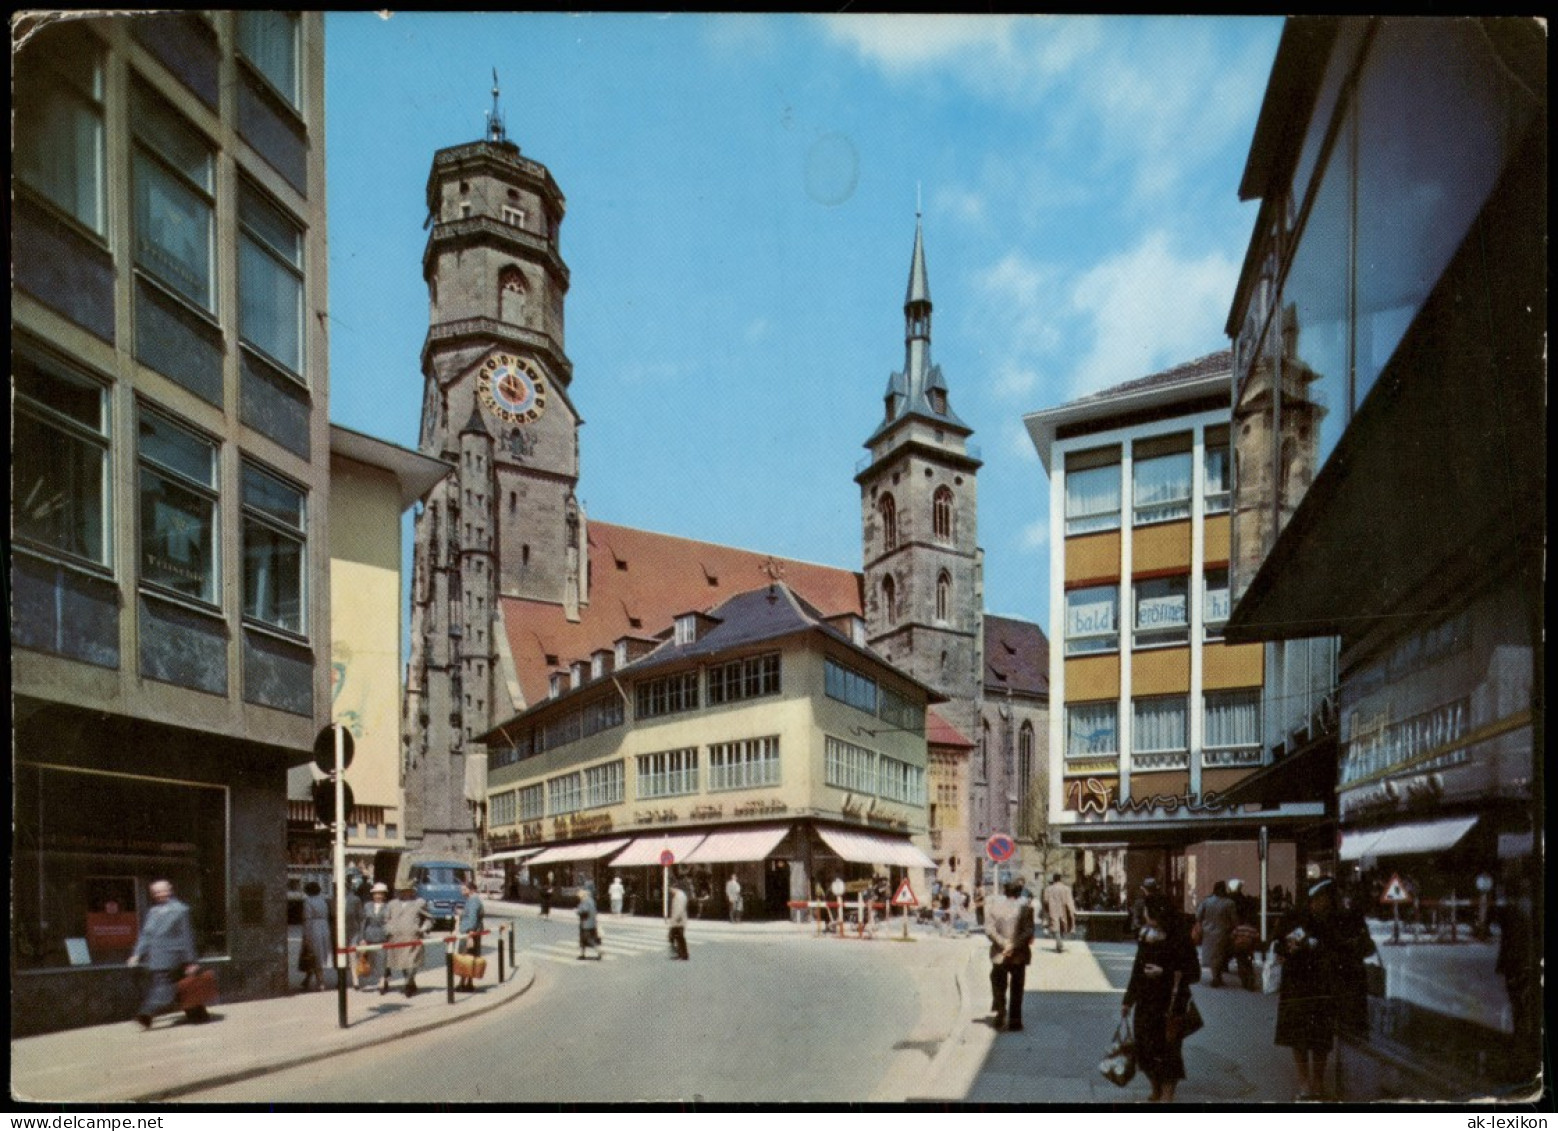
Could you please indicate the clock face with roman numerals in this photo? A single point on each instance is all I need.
(513, 388)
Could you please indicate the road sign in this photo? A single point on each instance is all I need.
(904, 897)
(1395, 892)
(1000, 847)
(667, 858)
(324, 801)
(324, 748)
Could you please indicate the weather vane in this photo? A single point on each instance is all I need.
(495, 116)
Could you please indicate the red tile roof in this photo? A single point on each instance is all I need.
(638, 582)
(939, 732)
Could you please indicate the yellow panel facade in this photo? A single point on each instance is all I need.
(1092, 677)
(1160, 671)
(1215, 544)
(1232, 665)
(1165, 545)
(365, 630)
(1093, 556)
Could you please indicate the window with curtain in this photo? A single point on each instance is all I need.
(1092, 620)
(849, 767)
(1093, 499)
(1160, 737)
(274, 541)
(178, 481)
(59, 460)
(887, 509)
(1214, 603)
(270, 279)
(1217, 472)
(1162, 487)
(58, 124)
(269, 40)
(174, 171)
(1231, 728)
(1093, 730)
(1162, 611)
(942, 514)
(668, 773)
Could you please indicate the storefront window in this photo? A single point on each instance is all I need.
(88, 845)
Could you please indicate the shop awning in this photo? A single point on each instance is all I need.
(585, 850)
(1355, 846)
(737, 846)
(646, 850)
(871, 848)
(1424, 837)
(515, 854)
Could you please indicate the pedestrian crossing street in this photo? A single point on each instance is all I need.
(629, 938)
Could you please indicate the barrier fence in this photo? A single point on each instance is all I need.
(345, 957)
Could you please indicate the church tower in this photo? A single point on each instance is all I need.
(505, 522)
(924, 574)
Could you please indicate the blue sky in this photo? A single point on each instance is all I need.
(741, 205)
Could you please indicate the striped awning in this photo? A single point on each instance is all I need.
(873, 848)
(737, 846)
(515, 854)
(584, 850)
(646, 850)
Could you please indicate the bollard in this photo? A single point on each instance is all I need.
(449, 969)
(501, 929)
(511, 946)
(342, 965)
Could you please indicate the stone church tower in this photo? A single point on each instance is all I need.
(924, 573)
(506, 522)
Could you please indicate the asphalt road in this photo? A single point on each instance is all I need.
(755, 1016)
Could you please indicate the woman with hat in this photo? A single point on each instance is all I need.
(1159, 990)
(374, 929)
(1318, 947)
(406, 920)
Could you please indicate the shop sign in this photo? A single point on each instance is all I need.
(108, 842)
(531, 832)
(1377, 747)
(1089, 795)
(574, 825)
(706, 812)
(1091, 618)
(656, 816)
(759, 808)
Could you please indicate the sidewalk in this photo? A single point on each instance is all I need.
(1071, 1008)
(109, 1063)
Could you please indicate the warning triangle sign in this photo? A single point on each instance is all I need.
(904, 897)
(1395, 892)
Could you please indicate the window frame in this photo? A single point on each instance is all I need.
(1176, 508)
(1246, 753)
(253, 514)
(748, 763)
(147, 107)
(247, 52)
(209, 492)
(943, 518)
(666, 773)
(1097, 520)
(50, 69)
(1176, 757)
(887, 512)
(1106, 708)
(1082, 644)
(1162, 636)
(46, 416)
(251, 238)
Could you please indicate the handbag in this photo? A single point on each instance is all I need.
(1119, 1063)
(1271, 976)
(364, 965)
(1188, 1020)
(196, 991)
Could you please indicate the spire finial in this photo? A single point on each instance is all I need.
(495, 130)
(918, 209)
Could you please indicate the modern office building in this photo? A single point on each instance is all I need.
(168, 564)
(758, 738)
(1390, 395)
(1156, 715)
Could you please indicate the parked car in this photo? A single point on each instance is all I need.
(437, 883)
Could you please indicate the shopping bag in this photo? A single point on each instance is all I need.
(1119, 1063)
(364, 965)
(196, 991)
(469, 966)
(1271, 977)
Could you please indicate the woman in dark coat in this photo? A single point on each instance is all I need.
(1322, 952)
(1165, 968)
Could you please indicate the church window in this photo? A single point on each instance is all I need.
(511, 293)
(887, 509)
(943, 595)
(942, 514)
(890, 600)
(984, 751)
(513, 501)
(514, 216)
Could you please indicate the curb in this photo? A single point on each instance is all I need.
(949, 1076)
(239, 1075)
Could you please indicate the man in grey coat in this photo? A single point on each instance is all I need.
(1216, 919)
(678, 920)
(166, 947)
(589, 924)
(1009, 926)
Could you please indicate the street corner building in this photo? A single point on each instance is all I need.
(168, 566)
(1160, 720)
(1389, 390)
(532, 624)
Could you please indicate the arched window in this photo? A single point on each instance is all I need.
(511, 294)
(984, 751)
(887, 509)
(890, 599)
(1024, 775)
(943, 596)
(942, 514)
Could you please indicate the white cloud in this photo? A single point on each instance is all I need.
(1035, 536)
(1149, 308)
(1021, 295)
(902, 43)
